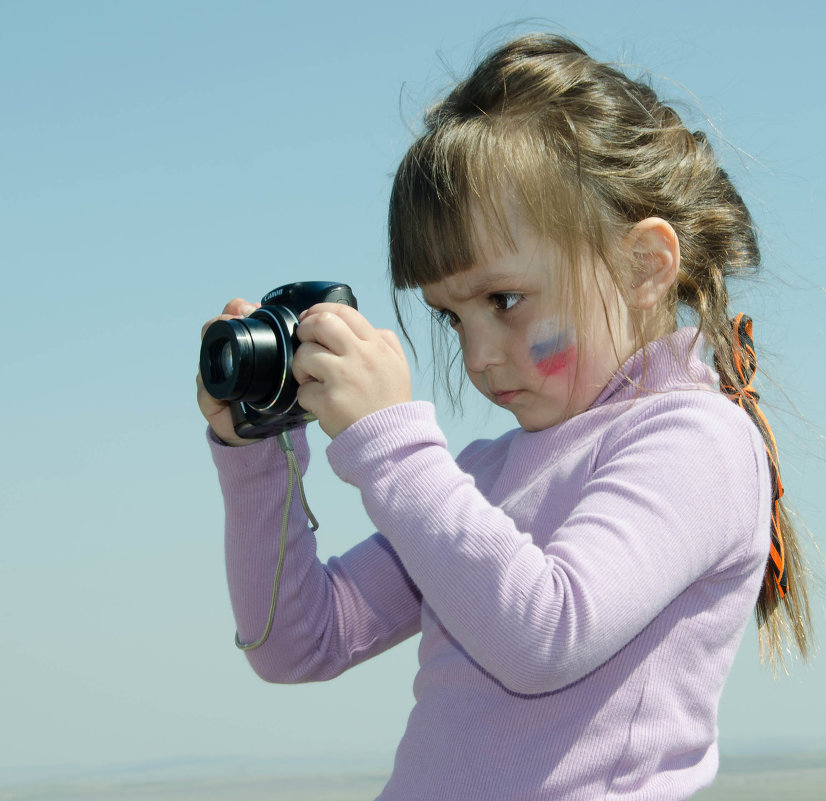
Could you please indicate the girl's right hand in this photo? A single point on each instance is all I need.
(215, 411)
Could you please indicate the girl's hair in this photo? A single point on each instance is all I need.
(583, 153)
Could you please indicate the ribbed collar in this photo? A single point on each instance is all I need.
(667, 364)
(673, 362)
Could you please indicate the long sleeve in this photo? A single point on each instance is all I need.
(671, 496)
(329, 617)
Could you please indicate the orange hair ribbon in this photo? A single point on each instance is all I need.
(744, 362)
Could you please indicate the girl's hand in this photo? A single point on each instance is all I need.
(217, 412)
(345, 368)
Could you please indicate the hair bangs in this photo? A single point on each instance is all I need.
(451, 193)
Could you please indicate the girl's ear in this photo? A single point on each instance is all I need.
(655, 258)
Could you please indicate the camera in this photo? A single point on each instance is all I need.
(248, 361)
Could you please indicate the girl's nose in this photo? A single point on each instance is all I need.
(481, 350)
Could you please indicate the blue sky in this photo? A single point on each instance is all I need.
(159, 158)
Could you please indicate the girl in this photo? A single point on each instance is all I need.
(581, 584)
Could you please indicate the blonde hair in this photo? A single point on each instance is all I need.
(584, 153)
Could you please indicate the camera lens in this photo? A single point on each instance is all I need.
(237, 359)
(250, 360)
(227, 360)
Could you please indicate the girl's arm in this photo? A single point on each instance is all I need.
(673, 497)
(328, 617)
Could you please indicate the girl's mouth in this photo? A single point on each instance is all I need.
(504, 398)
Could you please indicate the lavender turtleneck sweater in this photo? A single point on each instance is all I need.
(580, 591)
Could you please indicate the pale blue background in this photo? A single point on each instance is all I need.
(158, 158)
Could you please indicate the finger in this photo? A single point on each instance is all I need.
(314, 363)
(354, 319)
(329, 330)
(238, 307)
(234, 309)
(208, 323)
(209, 406)
(310, 397)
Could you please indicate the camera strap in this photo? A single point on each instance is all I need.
(293, 479)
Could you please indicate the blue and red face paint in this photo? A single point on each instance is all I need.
(553, 355)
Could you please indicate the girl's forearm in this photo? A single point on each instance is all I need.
(326, 617)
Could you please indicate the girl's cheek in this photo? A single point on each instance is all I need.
(555, 353)
(556, 362)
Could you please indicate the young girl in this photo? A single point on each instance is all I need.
(581, 584)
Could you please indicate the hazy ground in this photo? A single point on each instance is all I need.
(799, 777)
(293, 788)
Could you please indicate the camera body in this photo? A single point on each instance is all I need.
(248, 361)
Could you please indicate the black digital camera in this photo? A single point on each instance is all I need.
(248, 361)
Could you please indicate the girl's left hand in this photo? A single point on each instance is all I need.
(345, 368)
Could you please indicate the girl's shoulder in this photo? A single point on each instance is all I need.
(694, 449)
(694, 425)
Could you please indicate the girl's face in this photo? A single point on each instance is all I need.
(520, 346)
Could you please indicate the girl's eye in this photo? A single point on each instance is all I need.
(505, 301)
(446, 316)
